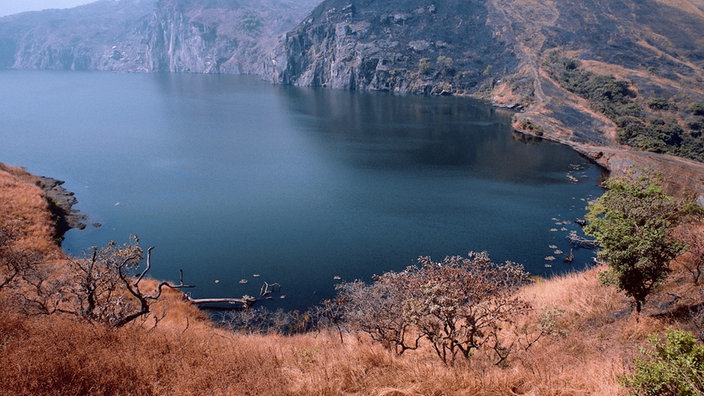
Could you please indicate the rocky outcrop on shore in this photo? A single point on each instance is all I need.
(61, 204)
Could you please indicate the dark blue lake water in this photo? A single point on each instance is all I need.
(230, 177)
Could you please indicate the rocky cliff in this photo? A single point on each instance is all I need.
(220, 36)
(106, 35)
(408, 46)
(205, 36)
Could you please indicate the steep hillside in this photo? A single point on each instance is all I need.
(208, 36)
(220, 36)
(106, 35)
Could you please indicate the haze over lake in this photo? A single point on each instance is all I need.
(229, 177)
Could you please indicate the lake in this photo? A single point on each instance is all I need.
(235, 180)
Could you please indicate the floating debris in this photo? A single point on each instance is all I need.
(553, 230)
(282, 296)
(337, 277)
(255, 275)
(550, 258)
(558, 251)
(553, 246)
(555, 219)
(572, 179)
(243, 281)
(548, 265)
(216, 281)
(563, 229)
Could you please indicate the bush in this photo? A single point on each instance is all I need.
(459, 305)
(697, 109)
(673, 366)
(661, 104)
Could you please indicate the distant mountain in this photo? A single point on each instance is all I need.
(220, 36)
(105, 35)
(204, 36)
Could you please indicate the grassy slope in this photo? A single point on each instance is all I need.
(593, 341)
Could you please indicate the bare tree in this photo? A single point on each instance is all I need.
(104, 290)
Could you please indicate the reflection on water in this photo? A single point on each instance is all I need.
(230, 177)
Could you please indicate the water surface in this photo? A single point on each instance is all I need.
(230, 177)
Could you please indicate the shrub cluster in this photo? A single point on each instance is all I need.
(459, 306)
(657, 128)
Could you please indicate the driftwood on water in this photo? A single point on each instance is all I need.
(236, 303)
(581, 242)
(243, 303)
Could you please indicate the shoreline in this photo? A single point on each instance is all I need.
(682, 176)
(60, 201)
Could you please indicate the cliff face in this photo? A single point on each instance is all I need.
(408, 46)
(106, 35)
(205, 36)
(219, 36)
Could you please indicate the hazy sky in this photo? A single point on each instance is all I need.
(8, 7)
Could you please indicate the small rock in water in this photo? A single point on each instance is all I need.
(216, 281)
(336, 277)
(243, 281)
(255, 275)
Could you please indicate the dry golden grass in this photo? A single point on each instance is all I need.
(177, 351)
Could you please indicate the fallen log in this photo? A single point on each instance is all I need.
(245, 302)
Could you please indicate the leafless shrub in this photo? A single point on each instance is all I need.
(105, 287)
(379, 309)
(459, 305)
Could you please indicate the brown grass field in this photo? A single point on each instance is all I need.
(593, 339)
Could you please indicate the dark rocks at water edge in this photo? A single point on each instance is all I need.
(61, 202)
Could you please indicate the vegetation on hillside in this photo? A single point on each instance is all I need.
(652, 124)
(568, 335)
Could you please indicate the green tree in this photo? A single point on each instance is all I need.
(673, 366)
(633, 222)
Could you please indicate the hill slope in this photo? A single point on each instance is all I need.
(500, 50)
